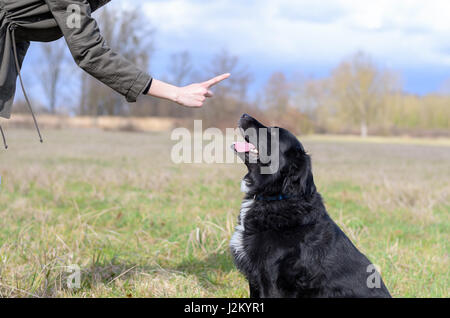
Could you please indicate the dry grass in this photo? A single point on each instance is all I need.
(140, 226)
(114, 123)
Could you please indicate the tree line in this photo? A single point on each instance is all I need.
(358, 96)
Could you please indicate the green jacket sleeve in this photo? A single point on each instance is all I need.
(91, 52)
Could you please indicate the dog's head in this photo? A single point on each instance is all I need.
(277, 162)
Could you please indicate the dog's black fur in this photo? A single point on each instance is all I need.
(291, 247)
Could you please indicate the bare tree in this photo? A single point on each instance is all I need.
(179, 73)
(360, 88)
(53, 62)
(231, 96)
(180, 68)
(277, 94)
(128, 33)
(83, 109)
(313, 97)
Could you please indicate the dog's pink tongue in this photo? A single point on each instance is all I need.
(243, 146)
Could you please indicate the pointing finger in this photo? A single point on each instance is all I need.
(216, 80)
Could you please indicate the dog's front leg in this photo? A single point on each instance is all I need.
(254, 290)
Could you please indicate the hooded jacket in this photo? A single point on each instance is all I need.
(23, 21)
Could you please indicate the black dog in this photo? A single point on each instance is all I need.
(286, 244)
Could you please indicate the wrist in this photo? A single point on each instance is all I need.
(176, 94)
(163, 90)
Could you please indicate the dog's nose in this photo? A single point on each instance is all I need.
(245, 120)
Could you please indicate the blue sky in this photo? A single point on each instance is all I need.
(306, 37)
(310, 37)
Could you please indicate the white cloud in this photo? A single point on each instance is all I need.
(396, 30)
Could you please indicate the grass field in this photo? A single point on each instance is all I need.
(138, 225)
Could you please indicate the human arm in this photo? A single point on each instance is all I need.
(92, 54)
(193, 95)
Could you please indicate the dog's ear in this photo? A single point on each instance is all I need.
(298, 177)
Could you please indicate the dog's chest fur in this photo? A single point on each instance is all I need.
(256, 234)
(258, 248)
(237, 243)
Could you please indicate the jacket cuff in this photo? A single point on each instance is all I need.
(147, 88)
(138, 87)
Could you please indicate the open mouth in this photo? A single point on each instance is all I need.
(245, 147)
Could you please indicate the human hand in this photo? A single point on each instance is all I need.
(195, 95)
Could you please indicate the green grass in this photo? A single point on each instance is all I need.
(140, 226)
